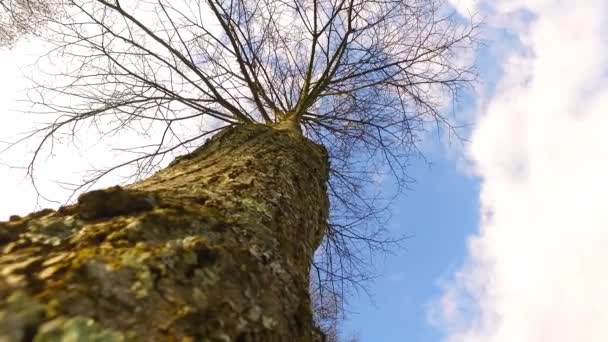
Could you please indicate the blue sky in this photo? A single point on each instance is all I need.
(439, 212)
(509, 246)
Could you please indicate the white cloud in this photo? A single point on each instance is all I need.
(71, 158)
(18, 195)
(68, 159)
(537, 267)
(67, 163)
(464, 7)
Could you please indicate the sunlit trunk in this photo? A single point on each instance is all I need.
(216, 247)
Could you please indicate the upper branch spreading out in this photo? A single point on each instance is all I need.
(362, 77)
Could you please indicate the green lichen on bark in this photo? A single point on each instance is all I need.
(216, 247)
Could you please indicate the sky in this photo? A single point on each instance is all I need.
(509, 230)
(530, 257)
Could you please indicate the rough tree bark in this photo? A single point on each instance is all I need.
(216, 247)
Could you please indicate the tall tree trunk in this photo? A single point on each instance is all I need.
(216, 247)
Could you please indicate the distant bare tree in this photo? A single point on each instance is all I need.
(22, 17)
(363, 78)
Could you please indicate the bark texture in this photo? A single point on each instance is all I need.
(216, 247)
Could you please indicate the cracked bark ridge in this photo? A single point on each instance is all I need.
(216, 247)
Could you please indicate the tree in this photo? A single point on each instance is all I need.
(304, 104)
(22, 17)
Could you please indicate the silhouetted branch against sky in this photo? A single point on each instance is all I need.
(362, 77)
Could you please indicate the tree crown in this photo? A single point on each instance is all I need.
(361, 77)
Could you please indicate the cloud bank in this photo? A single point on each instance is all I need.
(537, 267)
